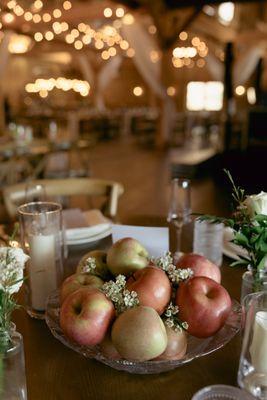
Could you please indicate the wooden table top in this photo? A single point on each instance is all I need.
(55, 372)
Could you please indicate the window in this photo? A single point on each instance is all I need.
(204, 96)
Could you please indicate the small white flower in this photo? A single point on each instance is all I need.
(89, 265)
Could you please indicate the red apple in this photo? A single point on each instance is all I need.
(200, 265)
(78, 281)
(176, 346)
(108, 349)
(126, 256)
(86, 315)
(152, 287)
(204, 304)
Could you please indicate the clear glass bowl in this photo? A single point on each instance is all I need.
(221, 392)
(196, 347)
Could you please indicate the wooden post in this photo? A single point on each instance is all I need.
(228, 95)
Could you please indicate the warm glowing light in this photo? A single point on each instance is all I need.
(112, 51)
(251, 95)
(69, 39)
(37, 18)
(201, 63)
(130, 52)
(183, 35)
(38, 4)
(78, 44)
(47, 17)
(11, 4)
(184, 52)
(38, 36)
(99, 44)
(82, 27)
(28, 16)
(19, 44)
(86, 39)
(177, 62)
(43, 93)
(204, 96)
(49, 36)
(18, 10)
(240, 90)
(105, 55)
(67, 5)
(138, 91)
(107, 12)
(8, 18)
(152, 29)
(124, 45)
(43, 86)
(64, 26)
(171, 91)
(154, 56)
(117, 24)
(120, 12)
(75, 33)
(57, 13)
(195, 41)
(128, 19)
(226, 12)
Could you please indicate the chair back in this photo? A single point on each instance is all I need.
(14, 195)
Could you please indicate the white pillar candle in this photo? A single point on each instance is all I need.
(258, 348)
(43, 276)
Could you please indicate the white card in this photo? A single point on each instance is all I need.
(155, 240)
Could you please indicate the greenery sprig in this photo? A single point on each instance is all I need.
(249, 229)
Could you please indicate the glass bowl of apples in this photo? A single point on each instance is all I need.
(143, 315)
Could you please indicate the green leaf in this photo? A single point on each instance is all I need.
(239, 262)
(241, 239)
(261, 218)
(261, 264)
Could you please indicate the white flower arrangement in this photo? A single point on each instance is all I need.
(121, 297)
(12, 262)
(175, 275)
(172, 320)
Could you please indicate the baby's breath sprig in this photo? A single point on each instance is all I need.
(89, 266)
(172, 320)
(175, 275)
(121, 297)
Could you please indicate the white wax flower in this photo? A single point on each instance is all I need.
(257, 203)
(12, 262)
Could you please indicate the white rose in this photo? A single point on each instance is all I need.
(257, 204)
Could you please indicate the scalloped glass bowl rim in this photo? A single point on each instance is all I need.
(196, 347)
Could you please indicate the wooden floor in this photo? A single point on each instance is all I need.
(145, 174)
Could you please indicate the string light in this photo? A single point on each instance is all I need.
(187, 55)
(171, 91)
(107, 12)
(67, 5)
(240, 90)
(138, 91)
(120, 12)
(44, 86)
(8, 18)
(38, 37)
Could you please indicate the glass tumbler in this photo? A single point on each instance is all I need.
(42, 239)
(208, 240)
(252, 372)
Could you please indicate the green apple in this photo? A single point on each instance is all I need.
(139, 334)
(126, 256)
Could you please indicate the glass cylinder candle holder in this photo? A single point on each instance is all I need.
(42, 239)
(252, 373)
